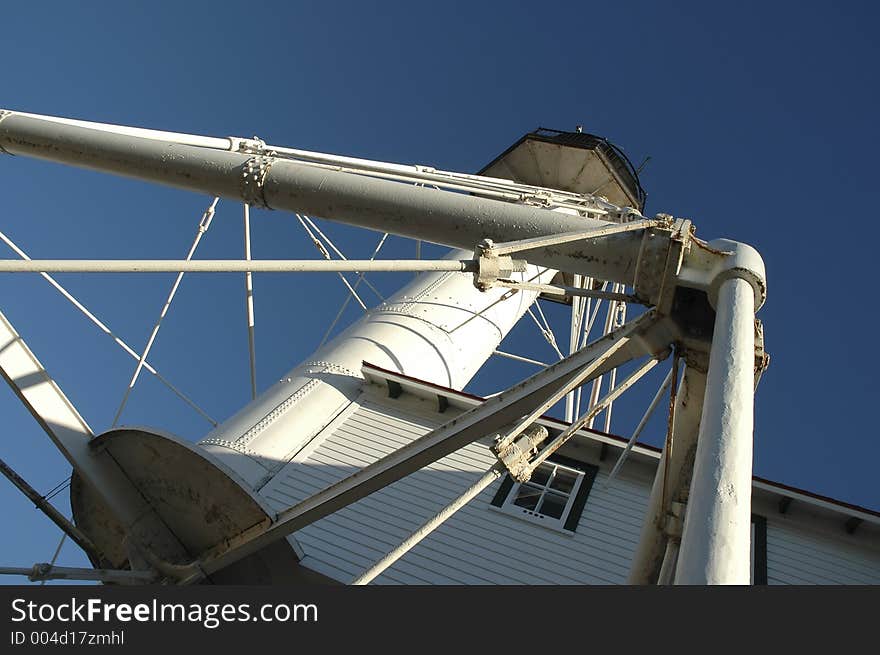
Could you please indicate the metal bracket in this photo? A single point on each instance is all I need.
(491, 266)
(515, 453)
(255, 169)
(253, 179)
(674, 521)
(762, 357)
(253, 146)
(660, 259)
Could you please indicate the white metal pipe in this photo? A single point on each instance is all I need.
(249, 300)
(573, 338)
(566, 434)
(455, 219)
(229, 266)
(338, 254)
(609, 325)
(717, 530)
(416, 173)
(430, 525)
(518, 358)
(620, 320)
(142, 133)
(641, 426)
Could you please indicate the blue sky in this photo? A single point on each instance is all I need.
(760, 119)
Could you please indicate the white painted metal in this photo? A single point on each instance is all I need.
(671, 479)
(496, 187)
(439, 328)
(47, 571)
(518, 358)
(230, 266)
(249, 300)
(456, 219)
(510, 247)
(71, 435)
(448, 341)
(584, 420)
(573, 338)
(641, 426)
(430, 525)
(124, 130)
(670, 559)
(717, 529)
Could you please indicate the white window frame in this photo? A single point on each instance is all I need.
(508, 506)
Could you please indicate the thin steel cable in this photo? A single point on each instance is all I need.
(57, 552)
(106, 330)
(204, 224)
(326, 255)
(348, 298)
(339, 253)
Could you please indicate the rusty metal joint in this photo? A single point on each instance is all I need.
(253, 179)
(490, 267)
(515, 454)
(673, 521)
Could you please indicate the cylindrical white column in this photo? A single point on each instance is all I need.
(715, 545)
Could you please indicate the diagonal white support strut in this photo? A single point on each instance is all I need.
(71, 435)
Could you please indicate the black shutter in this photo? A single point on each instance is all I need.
(580, 500)
(760, 546)
(503, 490)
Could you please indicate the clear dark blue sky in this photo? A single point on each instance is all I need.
(760, 119)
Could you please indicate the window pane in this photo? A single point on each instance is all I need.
(564, 481)
(541, 474)
(528, 496)
(553, 505)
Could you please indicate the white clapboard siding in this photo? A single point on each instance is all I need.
(797, 554)
(480, 544)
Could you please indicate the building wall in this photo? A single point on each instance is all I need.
(802, 554)
(483, 545)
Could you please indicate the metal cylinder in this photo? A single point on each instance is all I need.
(715, 545)
(455, 219)
(439, 328)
